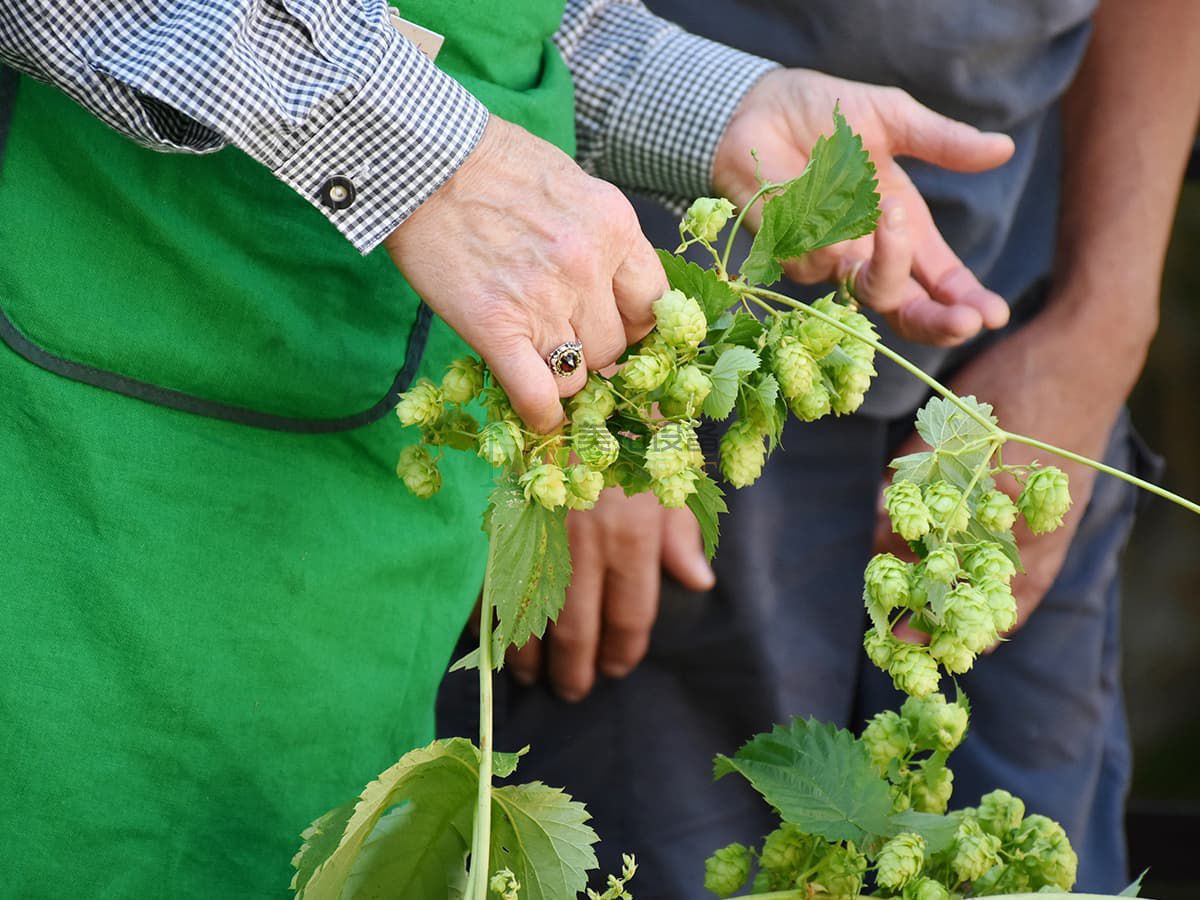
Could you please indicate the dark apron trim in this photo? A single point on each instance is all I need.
(161, 396)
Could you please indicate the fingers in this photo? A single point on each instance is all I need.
(601, 329)
(924, 320)
(531, 387)
(919, 131)
(572, 642)
(525, 663)
(631, 594)
(882, 282)
(638, 281)
(951, 283)
(683, 551)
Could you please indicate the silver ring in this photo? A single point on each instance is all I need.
(848, 283)
(565, 359)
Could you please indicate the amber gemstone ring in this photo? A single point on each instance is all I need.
(565, 358)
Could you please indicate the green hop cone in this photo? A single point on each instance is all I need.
(925, 889)
(1001, 602)
(727, 870)
(1045, 499)
(1046, 855)
(463, 380)
(988, 560)
(647, 370)
(421, 404)
(419, 472)
(680, 319)
(996, 512)
(815, 404)
(913, 670)
(706, 217)
(547, 484)
(674, 490)
(906, 508)
(931, 790)
(594, 402)
(670, 450)
(742, 453)
(498, 407)
(941, 566)
(880, 647)
(583, 487)
(975, 851)
(936, 723)
(1000, 812)
(840, 872)
(784, 851)
(456, 428)
(686, 392)
(504, 884)
(946, 506)
(968, 616)
(885, 586)
(952, 653)
(900, 861)
(851, 380)
(886, 738)
(794, 368)
(501, 443)
(817, 335)
(595, 445)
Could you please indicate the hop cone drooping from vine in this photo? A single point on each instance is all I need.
(547, 484)
(681, 321)
(951, 652)
(1045, 499)
(706, 217)
(988, 560)
(900, 860)
(583, 487)
(913, 670)
(594, 402)
(996, 512)
(595, 445)
(931, 789)
(906, 507)
(999, 812)
(936, 723)
(947, 507)
(1001, 602)
(419, 472)
(794, 368)
(463, 380)
(647, 370)
(421, 404)
(840, 873)
(941, 566)
(886, 738)
(968, 616)
(501, 443)
(686, 391)
(742, 453)
(727, 870)
(975, 851)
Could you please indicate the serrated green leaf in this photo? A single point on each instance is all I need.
(757, 402)
(725, 376)
(817, 777)
(529, 566)
(919, 467)
(714, 295)
(938, 831)
(834, 199)
(744, 330)
(708, 505)
(960, 443)
(541, 835)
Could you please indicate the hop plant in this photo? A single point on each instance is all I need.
(925, 889)
(727, 870)
(900, 861)
(783, 853)
(547, 484)
(647, 370)
(936, 724)
(706, 217)
(886, 583)
(669, 451)
(583, 487)
(913, 670)
(794, 368)
(840, 872)
(421, 404)
(996, 512)
(419, 472)
(906, 508)
(999, 812)
(815, 404)
(673, 491)
(951, 652)
(968, 616)
(886, 738)
(946, 506)
(818, 335)
(880, 647)
(988, 560)
(686, 391)
(975, 851)
(930, 791)
(1001, 602)
(594, 403)
(501, 443)
(742, 453)
(940, 565)
(495, 401)
(1045, 499)
(504, 884)
(463, 380)
(680, 320)
(1046, 856)
(595, 445)
(850, 380)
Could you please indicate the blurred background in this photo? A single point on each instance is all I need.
(1162, 586)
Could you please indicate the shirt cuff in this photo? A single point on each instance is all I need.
(663, 133)
(368, 160)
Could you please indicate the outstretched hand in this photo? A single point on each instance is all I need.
(905, 270)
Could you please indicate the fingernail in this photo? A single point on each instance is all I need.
(524, 678)
(615, 670)
(895, 217)
(705, 574)
(571, 695)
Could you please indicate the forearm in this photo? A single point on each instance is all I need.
(1129, 119)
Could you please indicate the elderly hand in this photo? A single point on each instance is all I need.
(905, 269)
(521, 251)
(619, 549)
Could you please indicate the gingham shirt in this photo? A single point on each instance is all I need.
(314, 89)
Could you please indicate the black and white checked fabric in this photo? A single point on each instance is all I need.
(318, 88)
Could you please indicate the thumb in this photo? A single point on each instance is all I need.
(918, 131)
(683, 551)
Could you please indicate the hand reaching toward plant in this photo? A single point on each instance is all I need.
(521, 251)
(905, 269)
(619, 551)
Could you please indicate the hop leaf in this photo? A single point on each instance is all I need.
(913, 670)
(946, 506)
(886, 738)
(421, 404)
(583, 487)
(727, 870)
(547, 484)
(906, 508)
(1000, 812)
(899, 861)
(501, 443)
(996, 512)
(1044, 500)
(419, 472)
(680, 320)
(706, 217)
(463, 380)
(742, 454)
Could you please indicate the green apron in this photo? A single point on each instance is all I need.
(212, 632)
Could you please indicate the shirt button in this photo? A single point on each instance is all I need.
(338, 192)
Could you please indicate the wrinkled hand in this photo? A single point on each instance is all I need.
(905, 270)
(1037, 381)
(619, 550)
(520, 251)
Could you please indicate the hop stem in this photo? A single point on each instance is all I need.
(481, 838)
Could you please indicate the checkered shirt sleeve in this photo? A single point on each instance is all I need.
(316, 89)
